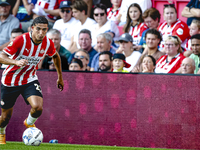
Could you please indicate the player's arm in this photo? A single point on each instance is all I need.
(4, 59)
(57, 63)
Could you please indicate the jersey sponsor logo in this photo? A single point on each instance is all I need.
(179, 31)
(31, 60)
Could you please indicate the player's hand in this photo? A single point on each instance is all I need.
(60, 84)
(22, 62)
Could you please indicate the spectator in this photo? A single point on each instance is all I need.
(14, 33)
(126, 47)
(55, 36)
(79, 9)
(194, 29)
(151, 18)
(191, 11)
(144, 4)
(173, 26)
(85, 42)
(20, 12)
(66, 24)
(104, 41)
(113, 12)
(103, 24)
(148, 64)
(84, 57)
(119, 63)
(195, 44)
(76, 65)
(171, 62)
(7, 23)
(105, 61)
(134, 23)
(152, 38)
(48, 9)
(64, 64)
(188, 66)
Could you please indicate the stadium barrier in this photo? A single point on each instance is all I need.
(134, 110)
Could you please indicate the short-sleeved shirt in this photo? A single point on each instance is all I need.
(197, 62)
(112, 15)
(136, 32)
(163, 66)
(6, 27)
(108, 26)
(178, 28)
(89, 24)
(66, 30)
(188, 45)
(23, 47)
(49, 4)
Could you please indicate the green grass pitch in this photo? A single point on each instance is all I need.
(48, 146)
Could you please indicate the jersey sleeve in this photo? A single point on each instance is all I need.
(51, 50)
(182, 31)
(14, 46)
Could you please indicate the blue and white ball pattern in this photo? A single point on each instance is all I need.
(32, 136)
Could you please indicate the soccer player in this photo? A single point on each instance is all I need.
(22, 56)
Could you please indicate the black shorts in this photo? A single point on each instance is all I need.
(9, 94)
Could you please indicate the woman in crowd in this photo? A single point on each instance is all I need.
(173, 26)
(148, 64)
(103, 24)
(135, 23)
(171, 62)
(76, 65)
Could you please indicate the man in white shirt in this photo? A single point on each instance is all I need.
(79, 9)
(66, 24)
(103, 24)
(144, 4)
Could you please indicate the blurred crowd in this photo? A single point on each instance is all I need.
(110, 35)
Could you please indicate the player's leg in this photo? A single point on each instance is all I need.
(36, 103)
(33, 96)
(8, 99)
(4, 119)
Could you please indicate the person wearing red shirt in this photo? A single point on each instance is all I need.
(173, 26)
(22, 56)
(171, 62)
(135, 24)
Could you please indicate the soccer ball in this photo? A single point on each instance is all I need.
(32, 136)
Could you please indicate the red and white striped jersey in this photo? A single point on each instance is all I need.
(23, 47)
(49, 4)
(112, 15)
(136, 32)
(188, 45)
(162, 66)
(179, 28)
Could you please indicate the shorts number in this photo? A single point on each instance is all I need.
(38, 87)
